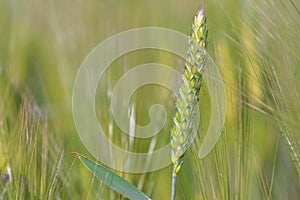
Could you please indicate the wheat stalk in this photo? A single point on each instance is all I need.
(185, 108)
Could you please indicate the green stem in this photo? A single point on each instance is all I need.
(174, 176)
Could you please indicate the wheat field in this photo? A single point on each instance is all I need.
(256, 46)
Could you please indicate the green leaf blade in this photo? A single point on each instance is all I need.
(112, 180)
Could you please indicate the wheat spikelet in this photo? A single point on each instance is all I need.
(187, 100)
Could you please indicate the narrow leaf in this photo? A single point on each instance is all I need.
(112, 180)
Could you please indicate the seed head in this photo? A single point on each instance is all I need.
(187, 99)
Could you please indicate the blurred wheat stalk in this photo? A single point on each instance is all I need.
(273, 56)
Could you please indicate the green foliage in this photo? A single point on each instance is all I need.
(112, 180)
(255, 44)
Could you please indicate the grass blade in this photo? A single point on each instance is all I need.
(112, 180)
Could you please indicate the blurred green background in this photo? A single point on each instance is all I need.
(255, 44)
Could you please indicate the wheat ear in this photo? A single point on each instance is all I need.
(187, 99)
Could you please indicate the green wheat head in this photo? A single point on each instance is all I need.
(187, 99)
